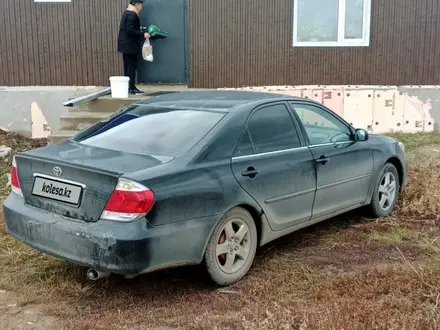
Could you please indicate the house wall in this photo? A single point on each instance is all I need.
(36, 112)
(233, 43)
(59, 44)
(378, 109)
(249, 43)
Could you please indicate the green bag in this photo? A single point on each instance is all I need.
(156, 33)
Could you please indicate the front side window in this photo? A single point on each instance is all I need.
(331, 23)
(268, 129)
(321, 126)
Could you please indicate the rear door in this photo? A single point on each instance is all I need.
(344, 166)
(274, 166)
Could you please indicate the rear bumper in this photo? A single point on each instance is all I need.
(120, 248)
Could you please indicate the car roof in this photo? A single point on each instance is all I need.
(217, 100)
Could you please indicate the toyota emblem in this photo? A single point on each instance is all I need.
(57, 171)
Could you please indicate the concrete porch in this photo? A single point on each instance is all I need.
(85, 115)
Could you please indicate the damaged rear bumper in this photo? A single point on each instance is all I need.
(121, 248)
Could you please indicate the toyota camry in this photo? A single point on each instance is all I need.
(198, 178)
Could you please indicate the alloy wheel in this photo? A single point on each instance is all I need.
(387, 191)
(233, 246)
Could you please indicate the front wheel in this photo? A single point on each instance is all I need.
(386, 192)
(232, 247)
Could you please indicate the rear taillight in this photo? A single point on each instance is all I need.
(130, 201)
(15, 181)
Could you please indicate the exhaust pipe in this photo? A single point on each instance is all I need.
(94, 274)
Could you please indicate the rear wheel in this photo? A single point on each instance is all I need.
(386, 192)
(231, 248)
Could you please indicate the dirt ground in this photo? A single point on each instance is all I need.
(346, 273)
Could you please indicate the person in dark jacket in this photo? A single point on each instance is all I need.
(130, 40)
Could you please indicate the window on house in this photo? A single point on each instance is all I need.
(331, 23)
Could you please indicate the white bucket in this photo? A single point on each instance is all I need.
(119, 86)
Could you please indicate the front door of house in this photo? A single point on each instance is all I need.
(170, 63)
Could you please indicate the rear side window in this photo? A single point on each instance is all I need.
(153, 131)
(245, 146)
(269, 129)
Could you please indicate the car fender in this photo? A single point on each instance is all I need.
(382, 154)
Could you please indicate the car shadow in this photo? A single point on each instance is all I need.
(194, 279)
(305, 236)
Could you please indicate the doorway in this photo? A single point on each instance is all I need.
(171, 59)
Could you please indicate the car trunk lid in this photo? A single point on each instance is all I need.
(75, 180)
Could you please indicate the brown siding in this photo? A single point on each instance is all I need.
(59, 43)
(249, 42)
(233, 43)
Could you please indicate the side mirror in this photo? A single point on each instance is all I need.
(361, 135)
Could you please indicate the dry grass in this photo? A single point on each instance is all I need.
(347, 273)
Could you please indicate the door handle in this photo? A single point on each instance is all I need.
(322, 160)
(251, 172)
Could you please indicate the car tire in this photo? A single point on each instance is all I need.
(386, 192)
(236, 235)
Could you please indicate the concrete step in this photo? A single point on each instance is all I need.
(85, 115)
(105, 104)
(81, 120)
(61, 136)
(108, 104)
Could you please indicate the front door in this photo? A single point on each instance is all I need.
(170, 60)
(275, 168)
(343, 166)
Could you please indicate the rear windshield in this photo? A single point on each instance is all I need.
(152, 131)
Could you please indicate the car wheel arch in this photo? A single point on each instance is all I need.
(398, 165)
(255, 214)
(394, 160)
